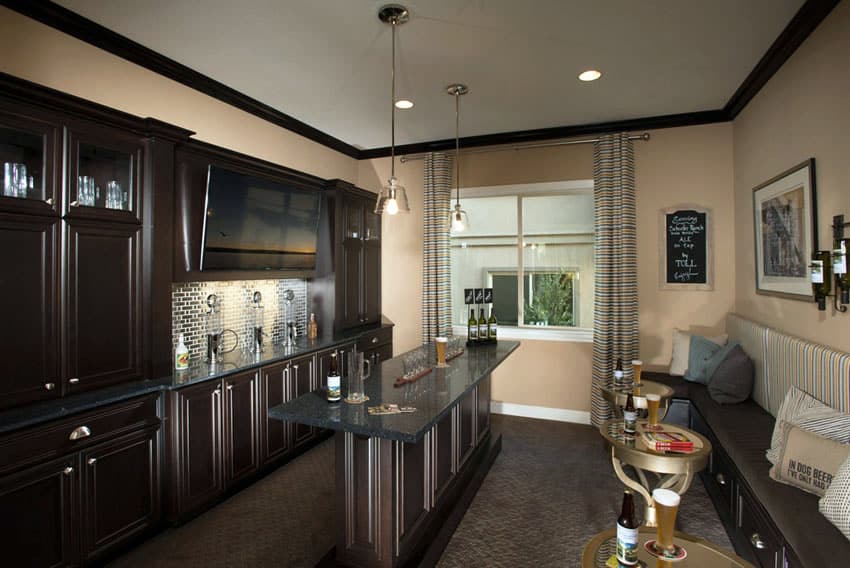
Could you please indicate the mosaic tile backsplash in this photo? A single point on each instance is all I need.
(189, 305)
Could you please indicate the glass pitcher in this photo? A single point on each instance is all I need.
(359, 370)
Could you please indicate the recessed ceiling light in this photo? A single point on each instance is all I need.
(590, 75)
(403, 104)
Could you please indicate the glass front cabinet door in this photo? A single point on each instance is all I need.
(104, 173)
(28, 158)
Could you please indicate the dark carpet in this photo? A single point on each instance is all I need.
(550, 490)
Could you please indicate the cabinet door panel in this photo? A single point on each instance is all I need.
(242, 433)
(349, 282)
(120, 491)
(199, 446)
(466, 428)
(444, 448)
(370, 283)
(104, 306)
(28, 348)
(37, 527)
(31, 142)
(275, 437)
(413, 468)
(483, 407)
(301, 382)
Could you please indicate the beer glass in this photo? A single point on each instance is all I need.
(441, 344)
(356, 376)
(653, 401)
(637, 365)
(666, 507)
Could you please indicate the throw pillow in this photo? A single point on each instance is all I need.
(807, 412)
(835, 503)
(733, 378)
(700, 355)
(808, 461)
(682, 350)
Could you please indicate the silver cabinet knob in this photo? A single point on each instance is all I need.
(91, 461)
(295, 368)
(756, 541)
(721, 479)
(49, 201)
(81, 432)
(217, 392)
(74, 203)
(230, 387)
(68, 470)
(374, 340)
(73, 380)
(49, 386)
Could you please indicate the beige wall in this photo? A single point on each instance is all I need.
(43, 55)
(802, 112)
(678, 165)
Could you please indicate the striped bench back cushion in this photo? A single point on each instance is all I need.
(783, 361)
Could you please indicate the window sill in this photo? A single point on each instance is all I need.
(572, 335)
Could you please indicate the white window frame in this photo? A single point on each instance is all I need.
(573, 187)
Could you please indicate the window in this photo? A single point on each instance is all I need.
(533, 245)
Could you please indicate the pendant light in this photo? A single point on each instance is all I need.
(458, 219)
(393, 198)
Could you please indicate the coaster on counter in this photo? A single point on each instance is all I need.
(679, 553)
(358, 401)
(614, 563)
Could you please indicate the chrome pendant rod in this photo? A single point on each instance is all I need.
(394, 23)
(457, 147)
(412, 157)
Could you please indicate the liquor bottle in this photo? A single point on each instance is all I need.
(618, 373)
(492, 326)
(482, 327)
(181, 354)
(334, 386)
(472, 327)
(627, 532)
(312, 327)
(630, 416)
(821, 277)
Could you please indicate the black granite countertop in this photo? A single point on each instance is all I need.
(433, 396)
(34, 414)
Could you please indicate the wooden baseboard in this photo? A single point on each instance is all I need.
(540, 412)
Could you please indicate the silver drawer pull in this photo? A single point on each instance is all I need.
(756, 541)
(73, 380)
(49, 201)
(721, 479)
(230, 387)
(68, 470)
(91, 461)
(81, 432)
(74, 203)
(295, 368)
(374, 340)
(49, 386)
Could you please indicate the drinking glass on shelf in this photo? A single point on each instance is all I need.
(653, 401)
(87, 191)
(666, 507)
(14, 180)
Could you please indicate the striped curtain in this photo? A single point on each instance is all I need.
(615, 322)
(436, 262)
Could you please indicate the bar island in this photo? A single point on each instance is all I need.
(400, 477)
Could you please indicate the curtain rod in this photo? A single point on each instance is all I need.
(644, 137)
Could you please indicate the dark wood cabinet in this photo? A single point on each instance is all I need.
(38, 526)
(466, 430)
(413, 498)
(241, 419)
(482, 407)
(29, 349)
(30, 138)
(120, 481)
(103, 307)
(302, 379)
(275, 434)
(444, 454)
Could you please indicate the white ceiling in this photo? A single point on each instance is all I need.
(327, 62)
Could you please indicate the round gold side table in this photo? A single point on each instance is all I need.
(701, 553)
(673, 470)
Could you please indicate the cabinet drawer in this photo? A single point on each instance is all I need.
(723, 478)
(763, 540)
(54, 438)
(375, 338)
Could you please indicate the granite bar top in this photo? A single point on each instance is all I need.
(235, 362)
(434, 395)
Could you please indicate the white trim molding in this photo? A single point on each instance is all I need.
(540, 412)
(576, 335)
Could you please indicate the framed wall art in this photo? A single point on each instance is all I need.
(785, 222)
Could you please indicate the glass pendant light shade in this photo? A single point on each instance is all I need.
(392, 199)
(458, 220)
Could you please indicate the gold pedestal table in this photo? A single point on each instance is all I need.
(616, 396)
(701, 553)
(669, 470)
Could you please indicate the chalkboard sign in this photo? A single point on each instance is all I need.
(687, 261)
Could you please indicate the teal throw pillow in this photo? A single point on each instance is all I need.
(700, 355)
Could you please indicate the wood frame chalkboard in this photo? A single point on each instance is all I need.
(686, 248)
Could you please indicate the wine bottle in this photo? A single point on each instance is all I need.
(618, 373)
(482, 327)
(627, 532)
(334, 386)
(630, 416)
(821, 277)
(839, 267)
(472, 327)
(492, 326)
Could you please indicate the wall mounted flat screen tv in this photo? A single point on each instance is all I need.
(256, 224)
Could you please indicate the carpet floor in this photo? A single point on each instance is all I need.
(550, 490)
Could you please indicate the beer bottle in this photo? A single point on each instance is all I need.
(627, 532)
(334, 388)
(618, 373)
(630, 416)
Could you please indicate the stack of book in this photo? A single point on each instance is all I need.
(667, 441)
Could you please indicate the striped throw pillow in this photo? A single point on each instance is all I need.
(835, 504)
(807, 412)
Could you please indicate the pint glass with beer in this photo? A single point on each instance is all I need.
(653, 401)
(666, 507)
(637, 365)
(442, 343)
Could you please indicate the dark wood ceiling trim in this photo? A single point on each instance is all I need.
(82, 28)
(558, 132)
(804, 22)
